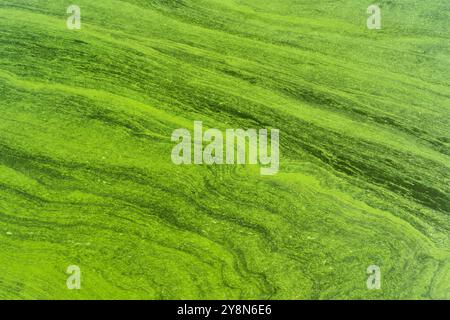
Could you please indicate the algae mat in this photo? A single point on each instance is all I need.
(87, 178)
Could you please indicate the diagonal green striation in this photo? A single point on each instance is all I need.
(86, 176)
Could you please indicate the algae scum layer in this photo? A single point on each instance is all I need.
(86, 177)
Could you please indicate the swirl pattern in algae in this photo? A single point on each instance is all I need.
(87, 178)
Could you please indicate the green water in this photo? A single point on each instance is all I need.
(86, 176)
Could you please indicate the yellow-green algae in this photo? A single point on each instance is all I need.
(87, 179)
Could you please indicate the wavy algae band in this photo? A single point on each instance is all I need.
(93, 207)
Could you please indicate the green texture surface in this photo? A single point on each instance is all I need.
(86, 176)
